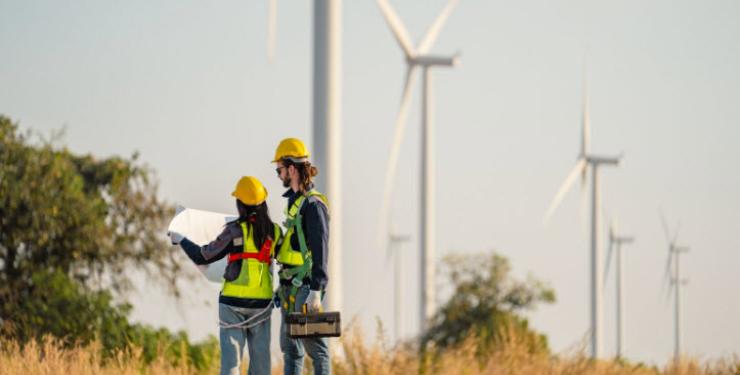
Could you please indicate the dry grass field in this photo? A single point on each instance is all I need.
(48, 357)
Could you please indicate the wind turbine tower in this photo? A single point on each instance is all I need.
(615, 244)
(585, 160)
(327, 73)
(677, 282)
(394, 246)
(419, 58)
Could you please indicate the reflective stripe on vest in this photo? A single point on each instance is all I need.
(287, 254)
(255, 277)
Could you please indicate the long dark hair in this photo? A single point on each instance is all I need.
(306, 171)
(259, 218)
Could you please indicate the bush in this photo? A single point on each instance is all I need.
(487, 303)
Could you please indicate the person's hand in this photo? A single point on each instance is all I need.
(175, 237)
(313, 301)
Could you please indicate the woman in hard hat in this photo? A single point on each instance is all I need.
(245, 302)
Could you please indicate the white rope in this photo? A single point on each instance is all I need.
(246, 323)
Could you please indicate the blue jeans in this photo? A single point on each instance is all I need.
(295, 349)
(233, 339)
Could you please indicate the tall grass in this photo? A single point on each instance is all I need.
(49, 356)
(513, 356)
(354, 356)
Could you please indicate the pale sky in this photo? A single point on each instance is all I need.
(188, 85)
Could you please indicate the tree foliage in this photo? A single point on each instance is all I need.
(76, 214)
(487, 303)
(71, 226)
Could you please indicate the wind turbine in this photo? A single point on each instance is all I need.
(615, 244)
(418, 57)
(674, 252)
(585, 160)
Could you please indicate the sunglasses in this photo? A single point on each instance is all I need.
(277, 170)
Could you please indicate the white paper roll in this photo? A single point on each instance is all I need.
(202, 227)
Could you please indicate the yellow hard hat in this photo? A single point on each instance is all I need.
(249, 190)
(291, 148)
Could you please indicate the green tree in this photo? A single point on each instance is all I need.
(487, 303)
(70, 227)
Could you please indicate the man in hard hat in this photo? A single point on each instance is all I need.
(303, 254)
(245, 301)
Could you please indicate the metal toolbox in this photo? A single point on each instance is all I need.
(327, 324)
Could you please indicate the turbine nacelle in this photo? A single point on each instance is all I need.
(623, 240)
(434, 60)
(679, 249)
(599, 160)
(398, 238)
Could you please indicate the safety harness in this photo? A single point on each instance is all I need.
(262, 256)
(294, 221)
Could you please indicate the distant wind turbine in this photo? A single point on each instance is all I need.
(675, 280)
(615, 245)
(418, 57)
(587, 159)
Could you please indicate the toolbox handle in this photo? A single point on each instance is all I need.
(304, 308)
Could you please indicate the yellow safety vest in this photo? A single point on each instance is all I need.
(287, 254)
(255, 277)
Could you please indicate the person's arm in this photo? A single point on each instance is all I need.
(316, 219)
(214, 250)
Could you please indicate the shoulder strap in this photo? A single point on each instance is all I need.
(313, 195)
(294, 209)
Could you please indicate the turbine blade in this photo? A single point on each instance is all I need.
(583, 204)
(611, 229)
(271, 29)
(585, 129)
(397, 27)
(431, 35)
(664, 223)
(668, 264)
(580, 165)
(400, 127)
(585, 117)
(675, 234)
(667, 274)
(609, 223)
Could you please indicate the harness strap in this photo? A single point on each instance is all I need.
(263, 256)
